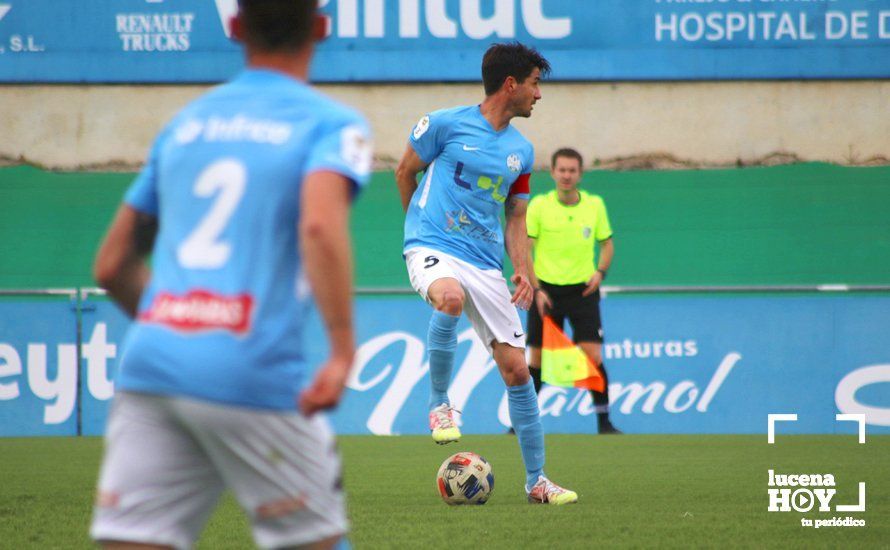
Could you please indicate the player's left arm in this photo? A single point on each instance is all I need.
(121, 265)
(516, 242)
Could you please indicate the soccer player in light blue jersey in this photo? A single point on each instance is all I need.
(476, 164)
(243, 205)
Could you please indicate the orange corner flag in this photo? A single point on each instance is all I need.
(565, 364)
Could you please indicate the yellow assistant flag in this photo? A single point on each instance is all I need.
(565, 364)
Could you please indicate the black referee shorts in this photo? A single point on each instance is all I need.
(583, 313)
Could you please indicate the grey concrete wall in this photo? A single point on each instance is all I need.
(624, 124)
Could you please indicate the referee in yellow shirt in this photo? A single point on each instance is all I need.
(562, 227)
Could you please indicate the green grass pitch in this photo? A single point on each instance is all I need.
(635, 491)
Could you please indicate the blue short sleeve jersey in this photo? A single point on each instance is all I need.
(222, 316)
(472, 170)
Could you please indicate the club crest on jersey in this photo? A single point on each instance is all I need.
(422, 126)
(200, 310)
(356, 150)
(586, 232)
(513, 163)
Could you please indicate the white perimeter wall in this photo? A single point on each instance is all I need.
(710, 124)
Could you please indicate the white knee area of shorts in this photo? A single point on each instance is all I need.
(278, 536)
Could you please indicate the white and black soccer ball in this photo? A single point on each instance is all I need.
(465, 478)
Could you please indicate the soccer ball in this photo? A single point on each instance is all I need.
(465, 478)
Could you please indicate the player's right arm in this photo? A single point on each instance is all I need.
(327, 258)
(120, 266)
(533, 228)
(424, 144)
(339, 165)
(406, 175)
(542, 300)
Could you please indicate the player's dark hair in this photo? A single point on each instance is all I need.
(277, 25)
(567, 152)
(512, 59)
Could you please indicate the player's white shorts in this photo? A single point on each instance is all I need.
(168, 459)
(487, 303)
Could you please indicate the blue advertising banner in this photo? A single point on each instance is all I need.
(442, 40)
(676, 365)
(104, 327)
(691, 364)
(38, 367)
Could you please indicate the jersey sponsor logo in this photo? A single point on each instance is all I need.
(513, 163)
(188, 131)
(457, 221)
(233, 129)
(244, 128)
(469, 148)
(201, 310)
(483, 182)
(422, 126)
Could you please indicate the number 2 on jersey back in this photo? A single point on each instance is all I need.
(203, 249)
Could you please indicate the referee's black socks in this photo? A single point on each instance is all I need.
(600, 400)
(535, 372)
(601, 405)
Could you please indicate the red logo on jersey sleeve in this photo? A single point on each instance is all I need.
(201, 310)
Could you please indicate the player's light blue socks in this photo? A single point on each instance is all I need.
(526, 418)
(440, 344)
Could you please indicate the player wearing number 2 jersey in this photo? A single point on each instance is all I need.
(225, 179)
(249, 189)
(477, 164)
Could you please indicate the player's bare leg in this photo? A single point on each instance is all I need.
(511, 363)
(526, 418)
(447, 297)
